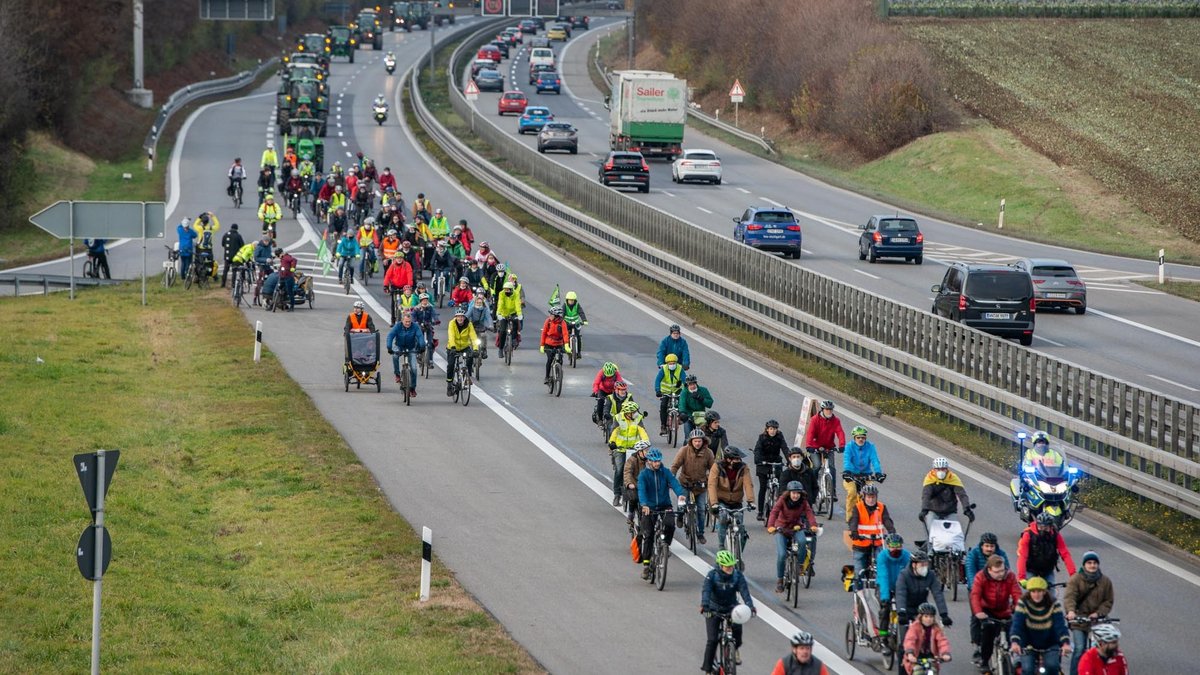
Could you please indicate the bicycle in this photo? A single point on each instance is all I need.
(575, 339)
(797, 571)
(279, 298)
(826, 492)
(236, 194)
(673, 419)
(268, 227)
(425, 358)
(949, 564)
(509, 332)
(462, 378)
(556, 373)
(661, 552)
(195, 275)
(346, 273)
(440, 280)
(169, 272)
(264, 269)
(735, 532)
(690, 515)
(405, 377)
(726, 660)
(241, 283)
(1001, 662)
(366, 266)
(1087, 625)
(859, 480)
(91, 270)
(927, 665)
(772, 493)
(862, 629)
(293, 204)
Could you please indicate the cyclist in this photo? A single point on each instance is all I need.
(263, 254)
(1106, 658)
(242, 258)
(438, 226)
(367, 243)
(769, 449)
(269, 213)
(860, 458)
(99, 254)
(206, 226)
(389, 246)
(462, 293)
(554, 337)
(398, 275)
(315, 189)
(421, 207)
(1089, 594)
(231, 243)
(722, 587)
(351, 183)
(626, 434)
(187, 245)
(347, 252)
(604, 384)
(237, 174)
(573, 312)
(294, 187)
(694, 399)
(692, 464)
(925, 640)
(508, 310)
(801, 661)
(287, 276)
(474, 274)
(633, 468)
(869, 522)
(460, 340)
(824, 433)
(914, 586)
(994, 595)
(387, 179)
(1039, 548)
(789, 518)
(481, 316)
(977, 557)
(891, 561)
(265, 183)
(730, 485)
(442, 263)
(465, 234)
(799, 468)
(654, 485)
(614, 401)
(1039, 624)
(337, 202)
(359, 320)
(717, 438)
(940, 491)
(674, 343)
(482, 254)
(424, 315)
(307, 171)
(668, 382)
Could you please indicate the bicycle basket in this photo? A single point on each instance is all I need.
(362, 349)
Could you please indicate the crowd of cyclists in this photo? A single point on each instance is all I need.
(371, 231)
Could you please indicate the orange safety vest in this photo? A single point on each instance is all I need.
(869, 524)
(390, 247)
(358, 322)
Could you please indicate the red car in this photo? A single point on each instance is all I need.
(512, 102)
(489, 52)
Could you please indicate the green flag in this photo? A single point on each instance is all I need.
(554, 296)
(324, 256)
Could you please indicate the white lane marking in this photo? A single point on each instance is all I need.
(1152, 329)
(342, 133)
(772, 202)
(743, 191)
(1111, 289)
(1173, 382)
(1046, 339)
(807, 251)
(669, 194)
(345, 144)
(704, 210)
(657, 316)
(866, 274)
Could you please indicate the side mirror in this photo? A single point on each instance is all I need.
(936, 288)
(736, 220)
(865, 227)
(606, 102)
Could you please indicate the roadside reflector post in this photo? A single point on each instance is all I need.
(1001, 225)
(257, 341)
(426, 561)
(1162, 265)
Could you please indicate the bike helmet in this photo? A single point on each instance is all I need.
(619, 384)
(1040, 437)
(423, 296)
(358, 304)
(508, 286)
(893, 541)
(441, 243)
(869, 489)
(369, 221)
(712, 416)
(670, 358)
(674, 328)
(696, 433)
(629, 407)
(691, 379)
(919, 556)
(941, 463)
(927, 608)
(641, 445)
(858, 431)
(571, 295)
(794, 486)
(437, 212)
(1045, 520)
(653, 455)
(802, 639)
(462, 279)
(270, 198)
(1036, 584)
(390, 233)
(1105, 632)
(796, 450)
(827, 405)
(609, 367)
(733, 452)
(772, 423)
(556, 311)
(726, 559)
(461, 311)
(988, 538)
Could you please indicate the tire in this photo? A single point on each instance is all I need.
(660, 564)
(952, 578)
(728, 659)
(352, 56)
(465, 392)
(871, 257)
(379, 383)
(717, 181)
(919, 259)
(644, 190)
(1026, 340)
(169, 277)
(851, 640)
(346, 377)
(575, 150)
(829, 487)
(508, 351)
(405, 379)
(557, 379)
(861, 254)
(1081, 309)
(541, 149)
(187, 280)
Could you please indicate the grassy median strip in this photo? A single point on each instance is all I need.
(1184, 289)
(1170, 526)
(247, 537)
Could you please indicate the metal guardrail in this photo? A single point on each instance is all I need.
(46, 281)
(197, 90)
(984, 381)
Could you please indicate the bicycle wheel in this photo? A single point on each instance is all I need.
(574, 355)
(851, 639)
(346, 376)
(237, 291)
(169, 277)
(464, 378)
(89, 269)
(556, 378)
(889, 659)
(508, 351)
(807, 572)
(728, 657)
(662, 554)
(405, 379)
(347, 278)
(791, 591)
(672, 428)
(827, 481)
(952, 576)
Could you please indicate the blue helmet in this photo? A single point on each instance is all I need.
(654, 455)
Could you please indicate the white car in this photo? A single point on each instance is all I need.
(541, 55)
(697, 165)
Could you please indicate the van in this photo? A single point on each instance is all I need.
(541, 55)
(996, 299)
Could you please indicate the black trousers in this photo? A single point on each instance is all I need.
(225, 271)
(712, 624)
(452, 356)
(101, 264)
(646, 539)
(763, 478)
(551, 353)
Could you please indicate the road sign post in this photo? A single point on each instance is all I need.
(1162, 266)
(472, 93)
(736, 94)
(94, 551)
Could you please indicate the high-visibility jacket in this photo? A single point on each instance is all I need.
(870, 523)
(460, 338)
(508, 306)
(439, 227)
(337, 200)
(626, 434)
(366, 237)
(244, 254)
(670, 379)
(358, 321)
(270, 212)
(269, 158)
(390, 245)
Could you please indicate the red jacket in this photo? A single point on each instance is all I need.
(604, 384)
(326, 192)
(914, 639)
(1091, 663)
(1023, 551)
(996, 598)
(461, 296)
(824, 433)
(399, 275)
(554, 333)
(786, 519)
(351, 183)
(387, 180)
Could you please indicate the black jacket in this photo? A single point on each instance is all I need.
(768, 449)
(231, 242)
(807, 478)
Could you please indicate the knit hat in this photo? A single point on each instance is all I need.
(1091, 555)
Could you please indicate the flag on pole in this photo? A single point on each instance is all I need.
(554, 296)
(323, 255)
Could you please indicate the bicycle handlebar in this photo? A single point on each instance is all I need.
(860, 478)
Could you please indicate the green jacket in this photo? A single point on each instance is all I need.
(689, 402)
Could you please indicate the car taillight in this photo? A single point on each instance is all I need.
(877, 237)
(754, 228)
(645, 166)
(1074, 282)
(608, 165)
(716, 164)
(920, 238)
(1032, 305)
(793, 228)
(962, 303)
(558, 82)
(1039, 281)
(685, 162)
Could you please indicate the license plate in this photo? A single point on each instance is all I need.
(899, 240)
(774, 230)
(1056, 295)
(997, 315)
(627, 178)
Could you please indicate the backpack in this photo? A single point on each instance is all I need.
(1043, 554)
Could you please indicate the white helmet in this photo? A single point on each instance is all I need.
(941, 463)
(740, 614)
(358, 304)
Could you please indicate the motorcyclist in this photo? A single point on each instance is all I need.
(380, 102)
(1039, 453)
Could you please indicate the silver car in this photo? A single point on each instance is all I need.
(558, 136)
(702, 165)
(1055, 283)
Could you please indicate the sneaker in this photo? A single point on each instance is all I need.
(977, 658)
(646, 571)
(737, 656)
(662, 431)
(759, 516)
(397, 379)
(449, 388)
(700, 539)
(834, 498)
(412, 393)
(546, 381)
(616, 500)
(779, 586)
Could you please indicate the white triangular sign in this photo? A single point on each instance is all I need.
(737, 89)
(471, 87)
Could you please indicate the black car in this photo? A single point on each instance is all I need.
(558, 136)
(528, 26)
(489, 79)
(580, 21)
(891, 237)
(537, 69)
(625, 169)
(502, 46)
(996, 299)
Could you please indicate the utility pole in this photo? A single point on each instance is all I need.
(632, 27)
(139, 95)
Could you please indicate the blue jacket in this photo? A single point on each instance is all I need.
(263, 252)
(976, 561)
(721, 591)
(95, 246)
(860, 460)
(888, 569)
(427, 315)
(670, 345)
(401, 339)
(187, 239)
(653, 488)
(348, 248)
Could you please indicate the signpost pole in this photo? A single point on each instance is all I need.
(143, 254)
(98, 570)
(72, 252)
(736, 108)
(432, 60)
(1162, 266)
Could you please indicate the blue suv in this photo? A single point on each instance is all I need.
(769, 229)
(891, 237)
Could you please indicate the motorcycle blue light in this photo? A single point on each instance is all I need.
(1021, 435)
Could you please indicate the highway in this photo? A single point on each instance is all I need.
(515, 486)
(1131, 332)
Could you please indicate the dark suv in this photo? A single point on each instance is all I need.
(625, 168)
(996, 299)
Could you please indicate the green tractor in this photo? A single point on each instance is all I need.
(316, 44)
(303, 99)
(341, 42)
(367, 30)
(305, 139)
